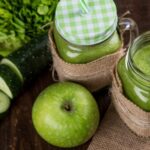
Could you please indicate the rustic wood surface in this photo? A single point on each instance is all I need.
(16, 129)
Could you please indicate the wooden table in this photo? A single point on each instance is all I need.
(16, 129)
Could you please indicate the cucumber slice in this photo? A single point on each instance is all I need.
(13, 67)
(31, 59)
(4, 103)
(10, 83)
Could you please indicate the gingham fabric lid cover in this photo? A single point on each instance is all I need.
(79, 27)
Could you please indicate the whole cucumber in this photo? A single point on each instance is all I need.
(31, 59)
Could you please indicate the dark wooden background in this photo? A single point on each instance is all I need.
(16, 129)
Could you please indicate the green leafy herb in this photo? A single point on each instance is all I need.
(23, 20)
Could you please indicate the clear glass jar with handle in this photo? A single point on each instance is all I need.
(86, 30)
(134, 72)
(88, 41)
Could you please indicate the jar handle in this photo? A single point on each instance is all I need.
(128, 24)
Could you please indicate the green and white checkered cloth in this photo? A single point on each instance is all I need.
(86, 28)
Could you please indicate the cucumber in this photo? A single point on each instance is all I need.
(13, 67)
(4, 103)
(10, 83)
(30, 60)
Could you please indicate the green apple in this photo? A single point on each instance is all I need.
(65, 114)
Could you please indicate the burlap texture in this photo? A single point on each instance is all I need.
(134, 117)
(93, 75)
(113, 134)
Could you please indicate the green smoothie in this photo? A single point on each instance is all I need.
(142, 59)
(83, 54)
(86, 30)
(134, 87)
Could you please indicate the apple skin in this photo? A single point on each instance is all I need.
(65, 115)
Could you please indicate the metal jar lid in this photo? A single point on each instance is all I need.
(86, 22)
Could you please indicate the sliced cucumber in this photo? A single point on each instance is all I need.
(4, 103)
(10, 83)
(4, 87)
(31, 59)
(13, 67)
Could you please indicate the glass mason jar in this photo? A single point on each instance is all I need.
(134, 72)
(86, 30)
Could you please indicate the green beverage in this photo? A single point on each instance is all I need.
(82, 54)
(134, 72)
(142, 59)
(86, 30)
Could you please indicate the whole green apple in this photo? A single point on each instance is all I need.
(65, 114)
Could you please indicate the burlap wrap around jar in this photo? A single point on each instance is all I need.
(134, 117)
(86, 41)
(93, 75)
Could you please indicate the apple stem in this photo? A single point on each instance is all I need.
(67, 107)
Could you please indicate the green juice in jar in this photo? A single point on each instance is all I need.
(83, 54)
(142, 59)
(134, 72)
(82, 36)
